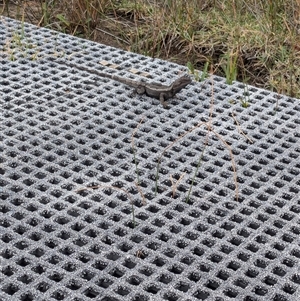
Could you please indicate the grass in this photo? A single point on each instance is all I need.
(253, 41)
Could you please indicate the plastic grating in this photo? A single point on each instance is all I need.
(63, 130)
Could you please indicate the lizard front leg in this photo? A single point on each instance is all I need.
(162, 97)
(140, 90)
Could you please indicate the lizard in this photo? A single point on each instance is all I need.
(151, 89)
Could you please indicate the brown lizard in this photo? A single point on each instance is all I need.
(152, 89)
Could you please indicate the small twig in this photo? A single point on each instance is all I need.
(169, 146)
(232, 162)
(198, 166)
(133, 149)
(141, 193)
(174, 185)
(240, 130)
(208, 124)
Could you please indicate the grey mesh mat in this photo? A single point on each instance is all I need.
(64, 130)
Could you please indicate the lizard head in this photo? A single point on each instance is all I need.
(181, 82)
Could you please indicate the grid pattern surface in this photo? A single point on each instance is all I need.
(63, 130)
